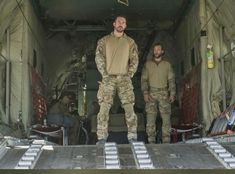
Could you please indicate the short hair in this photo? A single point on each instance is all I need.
(68, 94)
(119, 15)
(158, 44)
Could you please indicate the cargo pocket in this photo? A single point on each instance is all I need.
(105, 93)
(125, 92)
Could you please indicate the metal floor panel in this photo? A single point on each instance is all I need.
(82, 157)
(163, 156)
(173, 156)
(71, 157)
(11, 158)
(168, 156)
(230, 147)
(126, 157)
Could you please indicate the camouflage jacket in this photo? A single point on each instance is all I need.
(116, 56)
(158, 76)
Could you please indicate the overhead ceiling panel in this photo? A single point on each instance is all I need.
(90, 10)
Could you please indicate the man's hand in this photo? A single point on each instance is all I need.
(171, 99)
(146, 98)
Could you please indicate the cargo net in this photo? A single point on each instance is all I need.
(39, 107)
(38, 97)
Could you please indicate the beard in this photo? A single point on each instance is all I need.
(119, 29)
(157, 57)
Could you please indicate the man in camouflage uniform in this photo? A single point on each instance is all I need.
(60, 114)
(117, 61)
(158, 86)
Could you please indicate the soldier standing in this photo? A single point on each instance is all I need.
(117, 61)
(158, 86)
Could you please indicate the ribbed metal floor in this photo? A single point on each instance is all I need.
(162, 156)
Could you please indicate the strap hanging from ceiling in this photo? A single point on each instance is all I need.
(125, 2)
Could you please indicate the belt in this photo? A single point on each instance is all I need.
(158, 89)
(117, 76)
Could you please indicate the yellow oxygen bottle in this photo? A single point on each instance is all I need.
(210, 57)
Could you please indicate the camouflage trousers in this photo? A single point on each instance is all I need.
(158, 99)
(122, 85)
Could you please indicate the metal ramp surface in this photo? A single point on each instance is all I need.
(201, 155)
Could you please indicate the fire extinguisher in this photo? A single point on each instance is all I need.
(210, 57)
